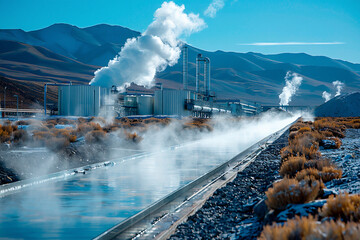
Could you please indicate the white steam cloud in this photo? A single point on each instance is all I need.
(339, 86)
(158, 47)
(214, 6)
(326, 96)
(293, 82)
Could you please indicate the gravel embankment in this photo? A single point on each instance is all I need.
(228, 214)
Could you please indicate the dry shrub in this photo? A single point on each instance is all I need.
(52, 121)
(95, 136)
(307, 173)
(303, 144)
(328, 124)
(72, 138)
(198, 124)
(50, 126)
(338, 142)
(309, 228)
(352, 123)
(82, 120)
(84, 128)
(22, 122)
(297, 228)
(42, 135)
(344, 206)
(319, 164)
(296, 126)
(5, 133)
(289, 191)
(329, 173)
(327, 134)
(66, 133)
(299, 150)
(64, 121)
(98, 120)
(57, 143)
(151, 120)
(10, 132)
(134, 137)
(292, 166)
(20, 136)
(292, 136)
(304, 129)
(325, 175)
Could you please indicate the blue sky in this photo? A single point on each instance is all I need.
(317, 27)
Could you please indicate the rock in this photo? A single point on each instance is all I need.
(261, 209)
(328, 144)
(328, 192)
(302, 210)
(270, 217)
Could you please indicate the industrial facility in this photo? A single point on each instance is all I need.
(87, 100)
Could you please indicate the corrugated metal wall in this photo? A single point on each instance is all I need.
(81, 100)
(171, 102)
(145, 105)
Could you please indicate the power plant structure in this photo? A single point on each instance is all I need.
(87, 100)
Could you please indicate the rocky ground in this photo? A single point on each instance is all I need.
(229, 214)
(238, 211)
(348, 159)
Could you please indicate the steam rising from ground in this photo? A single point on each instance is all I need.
(214, 6)
(326, 96)
(158, 47)
(339, 86)
(293, 82)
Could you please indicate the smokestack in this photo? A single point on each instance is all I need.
(206, 61)
(198, 59)
(207, 78)
(185, 67)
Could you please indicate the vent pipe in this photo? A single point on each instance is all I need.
(206, 61)
(185, 67)
(207, 78)
(197, 74)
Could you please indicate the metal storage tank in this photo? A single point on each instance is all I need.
(145, 105)
(130, 101)
(81, 100)
(171, 102)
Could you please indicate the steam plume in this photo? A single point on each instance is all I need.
(293, 82)
(214, 6)
(158, 47)
(339, 86)
(326, 96)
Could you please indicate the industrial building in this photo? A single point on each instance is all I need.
(86, 100)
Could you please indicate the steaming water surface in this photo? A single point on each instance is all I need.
(84, 206)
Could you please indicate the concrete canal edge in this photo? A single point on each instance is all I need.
(160, 220)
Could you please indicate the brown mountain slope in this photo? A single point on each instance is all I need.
(24, 69)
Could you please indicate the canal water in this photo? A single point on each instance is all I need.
(85, 205)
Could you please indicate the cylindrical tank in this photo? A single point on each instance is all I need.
(145, 105)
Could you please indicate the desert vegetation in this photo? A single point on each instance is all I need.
(58, 133)
(310, 228)
(304, 171)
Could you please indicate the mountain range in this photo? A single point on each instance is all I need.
(62, 53)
